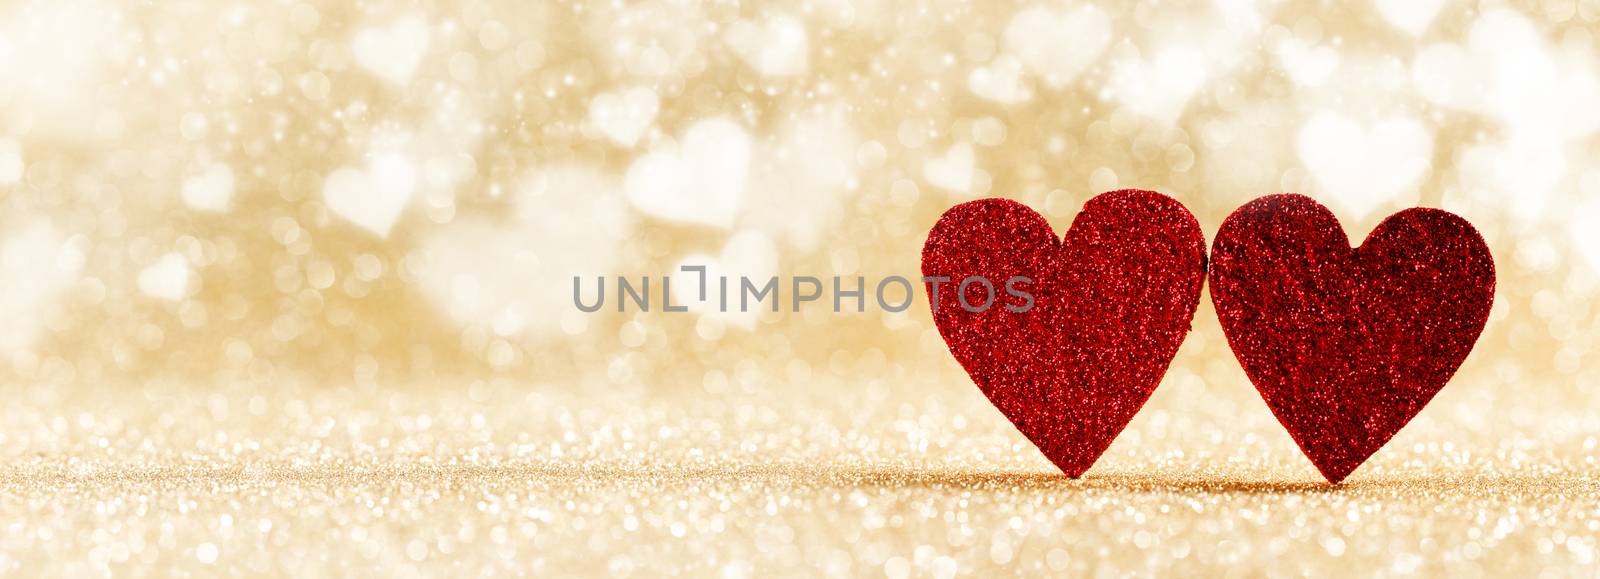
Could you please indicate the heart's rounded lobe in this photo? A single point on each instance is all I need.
(1345, 344)
(1110, 305)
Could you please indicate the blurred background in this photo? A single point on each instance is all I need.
(284, 239)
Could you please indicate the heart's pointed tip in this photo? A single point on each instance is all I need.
(1336, 473)
(1072, 471)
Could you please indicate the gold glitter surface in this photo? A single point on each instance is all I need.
(286, 285)
(494, 478)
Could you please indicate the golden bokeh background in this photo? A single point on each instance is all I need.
(287, 285)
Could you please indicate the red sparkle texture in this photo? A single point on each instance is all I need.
(1112, 303)
(1346, 345)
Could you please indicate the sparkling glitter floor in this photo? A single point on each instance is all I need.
(319, 482)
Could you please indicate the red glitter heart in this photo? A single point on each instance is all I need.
(1347, 345)
(1112, 303)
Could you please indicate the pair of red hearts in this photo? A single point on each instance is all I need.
(1345, 344)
